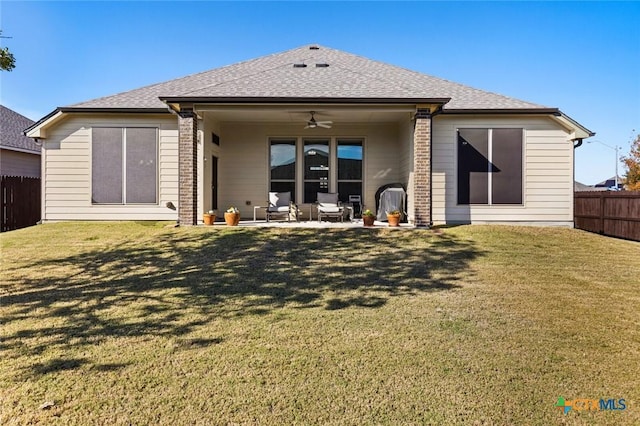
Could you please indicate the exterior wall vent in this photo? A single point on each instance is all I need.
(299, 65)
(314, 48)
(322, 65)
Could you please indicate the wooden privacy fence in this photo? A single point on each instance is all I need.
(19, 202)
(613, 213)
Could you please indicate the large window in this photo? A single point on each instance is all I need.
(283, 166)
(490, 166)
(306, 166)
(349, 168)
(124, 165)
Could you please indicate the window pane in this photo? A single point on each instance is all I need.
(473, 166)
(311, 190)
(350, 160)
(349, 188)
(142, 170)
(316, 160)
(283, 160)
(507, 159)
(106, 166)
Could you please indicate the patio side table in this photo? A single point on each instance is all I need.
(255, 210)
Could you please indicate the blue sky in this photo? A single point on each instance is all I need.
(583, 57)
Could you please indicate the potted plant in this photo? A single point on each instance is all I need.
(232, 216)
(393, 217)
(209, 217)
(368, 217)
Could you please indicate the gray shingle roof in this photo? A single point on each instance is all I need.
(11, 126)
(274, 76)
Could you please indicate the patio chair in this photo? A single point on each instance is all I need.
(280, 205)
(329, 206)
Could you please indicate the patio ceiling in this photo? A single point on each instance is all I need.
(300, 113)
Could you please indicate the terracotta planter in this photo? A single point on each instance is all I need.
(368, 220)
(232, 219)
(393, 219)
(209, 218)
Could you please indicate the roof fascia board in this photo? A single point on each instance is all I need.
(13, 148)
(516, 111)
(303, 108)
(294, 100)
(581, 132)
(38, 129)
(115, 110)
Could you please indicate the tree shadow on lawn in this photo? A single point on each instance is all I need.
(181, 279)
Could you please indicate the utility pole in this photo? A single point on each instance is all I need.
(615, 148)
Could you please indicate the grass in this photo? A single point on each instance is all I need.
(140, 323)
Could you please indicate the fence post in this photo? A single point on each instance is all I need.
(602, 200)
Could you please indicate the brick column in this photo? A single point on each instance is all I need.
(422, 168)
(187, 167)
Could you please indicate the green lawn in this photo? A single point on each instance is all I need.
(141, 323)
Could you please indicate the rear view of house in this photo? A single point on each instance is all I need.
(308, 120)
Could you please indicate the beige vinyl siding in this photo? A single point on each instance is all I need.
(405, 133)
(244, 159)
(16, 163)
(547, 168)
(67, 169)
(405, 136)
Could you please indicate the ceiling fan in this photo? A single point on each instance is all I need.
(312, 123)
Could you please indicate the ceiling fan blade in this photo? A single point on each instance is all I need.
(312, 123)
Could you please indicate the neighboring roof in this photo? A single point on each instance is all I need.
(581, 187)
(610, 183)
(346, 77)
(12, 126)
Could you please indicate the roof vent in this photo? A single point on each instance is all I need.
(299, 65)
(322, 65)
(314, 48)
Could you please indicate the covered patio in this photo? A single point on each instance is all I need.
(234, 155)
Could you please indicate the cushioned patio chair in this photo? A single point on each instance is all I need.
(329, 206)
(280, 205)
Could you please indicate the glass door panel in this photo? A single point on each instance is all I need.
(316, 168)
